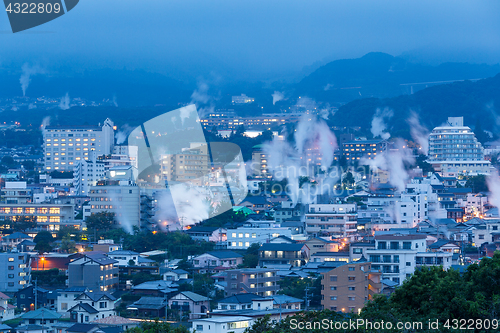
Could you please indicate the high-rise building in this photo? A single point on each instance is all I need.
(15, 273)
(65, 146)
(87, 173)
(454, 149)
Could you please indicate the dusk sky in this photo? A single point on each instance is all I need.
(254, 39)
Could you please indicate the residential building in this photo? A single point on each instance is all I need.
(260, 281)
(119, 197)
(272, 254)
(86, 173)
(398, 255)
(242, 238)
(125, 257)
(187, 302)
(322, 244)
(337, 220)
(259, 164)
(348, 286)
(16, 271)
(106, 245)
(208, 234)
(92, 306)
(258, 204)
(64, 146)
(66, 298)
(192, 164)
(149, 307)
(95, 270)
(175, 275)
(235, 324)
(47, 216)
(454, 149)
(217, 260)
(363, 149)
(39, 320)
(6, 309)
(16, 193)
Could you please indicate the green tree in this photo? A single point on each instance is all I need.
(68, 245)
(99, 223)
(43, 247)
(477, 183)
(22, 223)
(251, 257)
(157, 327)
(43, 236)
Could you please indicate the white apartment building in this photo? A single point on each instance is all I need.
(454, 149)
(338, 220)
(397, 255)
(242, 238)
(64, 146)
(87, 173)
(16, 193)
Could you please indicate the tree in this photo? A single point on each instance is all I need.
(8, 161)
(43, 236)
(68, 245)
(477, 183)
(22, 223)
(251, 257)
(100, 222)
(43, 247)
(157, 327)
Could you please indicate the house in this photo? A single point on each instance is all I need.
(11, 241)
(116, 321)
(208, 234)
(39, 317)
(83, 328)
(215, 261)
(149, 307)
(322, 244)
(258, 204)
(91, 306)
(444, 245)
(66, 298)
(5, 328)
(26, 246)
(157, 288)
(286, 302)
(6, 309)
(237, 302)
(236, 324)
(187, 302)
(106, 245)
(260, 308)
(330, 256)
(124, 257)
(45, 298)
(95, 270)
(175, 275)
(283, 254)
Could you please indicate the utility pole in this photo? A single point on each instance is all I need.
(36, 292)
(308, 296)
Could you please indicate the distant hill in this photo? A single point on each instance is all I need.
(382, 75)
(128, 87)
(476, 101)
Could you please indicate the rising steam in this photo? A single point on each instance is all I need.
(278, 96)
(418, 132)
(64, 103)
(25, 78)
(379, 123)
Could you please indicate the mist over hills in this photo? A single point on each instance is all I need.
(357, 86)
(382, 75)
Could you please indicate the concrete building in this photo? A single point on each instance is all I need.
(361, 149)
(398, 255)
(217, 260)
(272, 254)
(94, 270)
(64, 146)
(190, 303)
(47, 216)
(348, 286)
(259, 163)
(242, 238)
(16, 271)
(120, 197)
(235, 324)
(16, 193)
(86, 173)
(454, 149)
(260, 281)
(192, 164)
(338, 220)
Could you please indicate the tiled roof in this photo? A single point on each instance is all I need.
(114, 320)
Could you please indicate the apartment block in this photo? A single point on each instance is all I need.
(260, 281)
(348, 286)
(64, 146)
(16, 271)
(338, 220)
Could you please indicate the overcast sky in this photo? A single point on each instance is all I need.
(257, 38)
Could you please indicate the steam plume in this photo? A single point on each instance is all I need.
(379, 123)
(493, 182)
(419, 133)
(25, 78)
(64, 104)
(278, 96)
